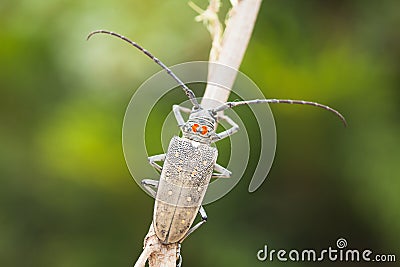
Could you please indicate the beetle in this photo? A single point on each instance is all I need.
(191, 161)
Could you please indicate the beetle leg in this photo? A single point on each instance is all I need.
(178, 115)
(203, 215)
(221, 172)
(179, 256)
(148, 185)
(155, 158)
(228, 132)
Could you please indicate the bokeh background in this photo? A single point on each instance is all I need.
(67, 198)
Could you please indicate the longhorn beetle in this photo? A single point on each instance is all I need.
(191, 161)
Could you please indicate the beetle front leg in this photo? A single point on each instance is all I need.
(148, 185)
(228, 132)
(203, 215)
(153, 159)
(178, 115)
(221, 172)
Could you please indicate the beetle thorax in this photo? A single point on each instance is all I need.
(200, 127)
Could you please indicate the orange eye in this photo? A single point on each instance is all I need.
(204, 130)
(194, 127)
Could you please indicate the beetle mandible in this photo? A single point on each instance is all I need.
(191, 161)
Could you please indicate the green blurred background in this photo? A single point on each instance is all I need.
(67, 198)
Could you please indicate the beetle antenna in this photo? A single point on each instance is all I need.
(279, 101)
(189, 93)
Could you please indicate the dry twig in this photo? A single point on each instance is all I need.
(228, 48)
